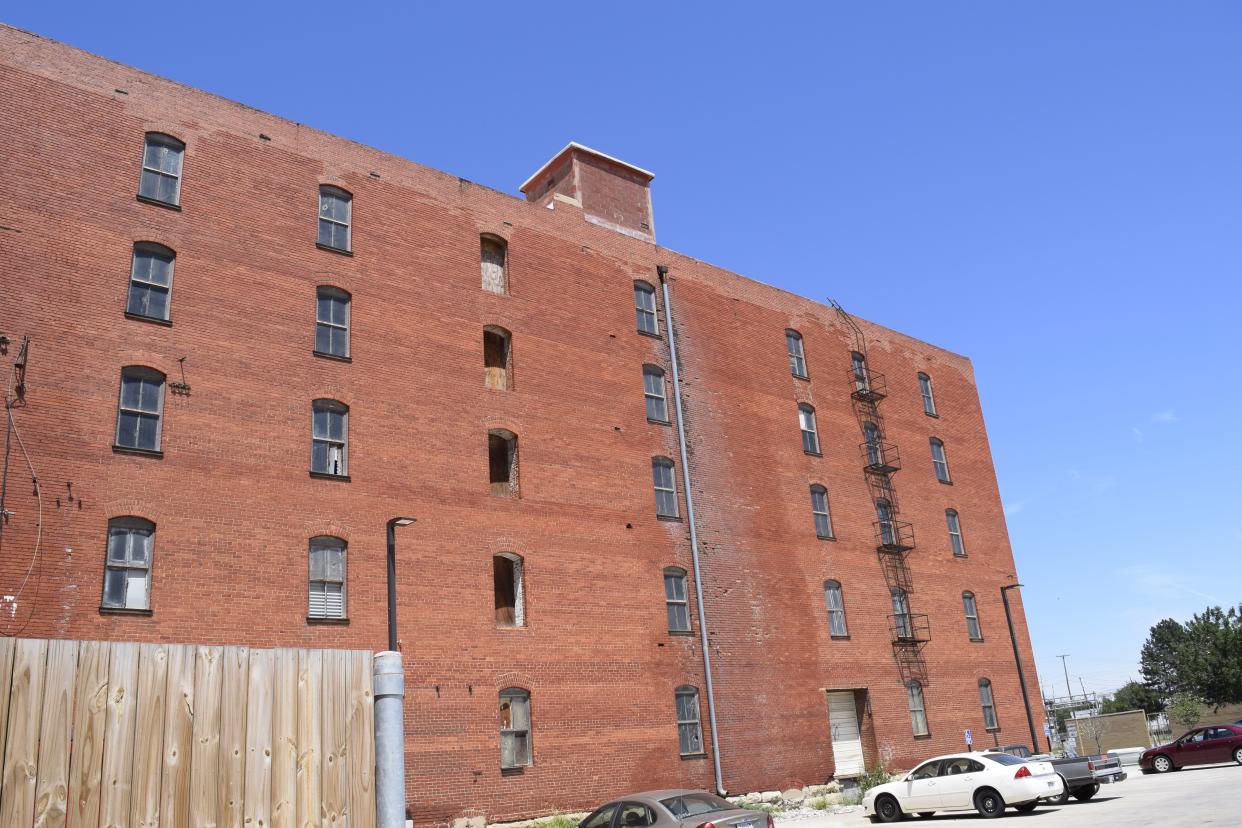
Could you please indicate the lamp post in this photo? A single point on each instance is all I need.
(1013, 639)
(389, 703)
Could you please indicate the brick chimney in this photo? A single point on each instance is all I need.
(610, 192)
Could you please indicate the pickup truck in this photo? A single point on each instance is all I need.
(1082, 775)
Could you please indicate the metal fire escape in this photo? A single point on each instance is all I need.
(894, 537)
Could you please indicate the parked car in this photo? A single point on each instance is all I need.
(1201, 746)
(674, 809)
(1083, 776)
(984, 782)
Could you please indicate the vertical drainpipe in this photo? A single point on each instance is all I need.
(694, 534)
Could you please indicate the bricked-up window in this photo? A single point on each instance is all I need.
(502, 462)
(161, 169)
(676, 599)
(902, 623)
(929, 399)
(689, 726)
(918, 712)
(140, 413)
(653, 391)
(939, 461)
(665, 486)
(972, 616)
(862, 380)
(327, 578)
(797, 357)
(819, 511)
(835, 602)
(514, 728)
(497, 358)
(330, 438)
(955, 532)
(332, 321)
(335, 211)
(989, 706)
(150, 281)
(127, 573)
(508, 588)
(884, 514)
(493, 259)
(645, 308)
(810, 436)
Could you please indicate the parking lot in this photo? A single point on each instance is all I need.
(1194, 796)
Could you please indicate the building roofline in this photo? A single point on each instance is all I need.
(574, 145)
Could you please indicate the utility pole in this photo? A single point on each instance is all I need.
(1068, 689)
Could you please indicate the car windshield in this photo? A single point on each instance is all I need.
(1006, 759)
(693, 804)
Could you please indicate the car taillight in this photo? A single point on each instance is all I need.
(771, 823)
(1090, 765)
(708, 825)
(1023, 772)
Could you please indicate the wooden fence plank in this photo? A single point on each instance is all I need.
(118, 754)
(21, 750)
(361, 742)
(90, 712)
(55, 734)
(178, 736)
(233, 735)
(148, 764)
(335, 739)
(257, 807)
(8, 646)
(205, 751)
(310, 739)
(285, 739)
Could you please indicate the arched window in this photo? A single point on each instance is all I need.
(858, 364)
(884, 516)
(140, 413)
(514, 728)
(150, 281)
(494, 262)
(676, 599)
(653, 392)
(645, 308)
(335, 218)
(972, 616)
(161, 169)
(902, 623)
(689, 727)
(502, 462)
(332, 306)
(918, 711)
(810, 436)
(497, 358)
(955, 532)
(835, 602)
(665, 486)
(330, 438)
(797, 356)
(929, 400)
(819, 511)
(127, 570)
(989, 706)
(327, 578)
(508, 587)
(939, 462)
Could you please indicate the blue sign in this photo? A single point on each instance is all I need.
(968, 739)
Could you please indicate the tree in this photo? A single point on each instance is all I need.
(1184, 709)
(1210, 661)
(1159, 660)
(1134, 695)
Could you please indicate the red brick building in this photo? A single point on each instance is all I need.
(236, 378)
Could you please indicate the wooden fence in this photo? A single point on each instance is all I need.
(98, 734)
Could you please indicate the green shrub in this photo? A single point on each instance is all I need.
(559, 821)
(875, 775)
(819, 803)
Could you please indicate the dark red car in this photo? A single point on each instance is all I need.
(1201, 746)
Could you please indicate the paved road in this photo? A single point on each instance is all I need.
(1192, 797)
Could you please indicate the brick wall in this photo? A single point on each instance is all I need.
(235, 506)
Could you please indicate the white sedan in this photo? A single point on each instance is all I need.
(984, 782)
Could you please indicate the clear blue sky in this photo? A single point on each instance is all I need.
(1052, 188)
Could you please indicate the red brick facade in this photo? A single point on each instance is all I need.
(234, 505)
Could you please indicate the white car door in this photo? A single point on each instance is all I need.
(922, 788)
(958, 779)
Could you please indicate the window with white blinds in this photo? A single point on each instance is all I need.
(326, 597)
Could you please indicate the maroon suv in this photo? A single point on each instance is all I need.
(1201, 746)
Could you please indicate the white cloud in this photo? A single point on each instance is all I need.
(1017, 507)
(1164, 417)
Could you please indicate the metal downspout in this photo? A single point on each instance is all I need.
(694, 534)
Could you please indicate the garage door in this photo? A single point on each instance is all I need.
(846, 741)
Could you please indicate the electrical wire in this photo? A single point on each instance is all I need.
(34, 558)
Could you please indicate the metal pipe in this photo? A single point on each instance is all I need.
(1013, 639)
(389, 738)
(392, 585)
(694, 534)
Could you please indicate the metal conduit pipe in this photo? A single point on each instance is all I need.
(694, 534)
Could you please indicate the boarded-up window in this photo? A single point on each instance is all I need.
(508, 587)
(514, 728)
(989, 706)
(502, 460)
(497, 358)
(918, 712)
(689, 726)
(493, 255)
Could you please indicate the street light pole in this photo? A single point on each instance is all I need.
(389, 707)
(1013, 639)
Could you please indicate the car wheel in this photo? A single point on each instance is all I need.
(1162, 764)
(887, 809)
(1085, 793)
(1026, 807)
(1062, 797)
(1237, 755)
(989, 803)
